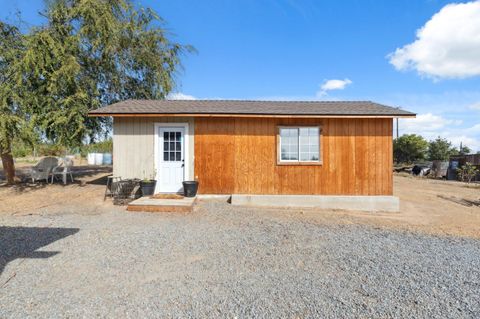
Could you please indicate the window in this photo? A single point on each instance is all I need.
(299, 144)
(172, 146)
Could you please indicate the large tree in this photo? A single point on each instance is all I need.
(13, 116)
(409, 148)
(440, 149)
(91, 53)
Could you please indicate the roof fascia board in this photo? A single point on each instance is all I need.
(248, 115)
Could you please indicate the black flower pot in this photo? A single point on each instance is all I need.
(190, 188)
(148, 187)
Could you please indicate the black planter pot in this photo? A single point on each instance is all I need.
(190, 188)
(148, 187)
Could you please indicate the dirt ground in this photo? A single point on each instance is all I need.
(421, 207)
(84, 196)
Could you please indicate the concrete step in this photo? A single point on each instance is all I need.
(155, 205)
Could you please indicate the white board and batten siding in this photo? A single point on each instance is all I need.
(134, 145)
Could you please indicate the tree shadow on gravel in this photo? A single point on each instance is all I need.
(22, 242)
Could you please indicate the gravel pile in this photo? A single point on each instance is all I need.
(224, 261)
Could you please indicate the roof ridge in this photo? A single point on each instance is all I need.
(247, 100)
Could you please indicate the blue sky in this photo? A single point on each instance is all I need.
(287, 49)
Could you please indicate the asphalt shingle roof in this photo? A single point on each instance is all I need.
(244, 107)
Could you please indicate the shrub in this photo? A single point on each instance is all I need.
(467, 172)
(100, 147)
(47, 149)
(21, 149)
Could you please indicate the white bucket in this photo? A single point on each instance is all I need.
(91, 158)
(98, 158)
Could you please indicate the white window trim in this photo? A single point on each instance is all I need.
(186, 154)
(299, 162)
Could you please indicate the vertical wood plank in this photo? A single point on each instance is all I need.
(361, 156)
(214, 155)
(388, 148)
(239, 156)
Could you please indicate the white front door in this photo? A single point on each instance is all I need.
(171, 159)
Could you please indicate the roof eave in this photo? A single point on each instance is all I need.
(93, 114)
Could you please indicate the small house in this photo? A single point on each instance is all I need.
(333, 154)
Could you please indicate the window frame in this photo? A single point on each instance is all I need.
(298, 162)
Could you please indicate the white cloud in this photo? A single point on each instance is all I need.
(430, 126)
(474, 106)
(465, 139)
(330, 85)
(428, 122)
(180, 96)
(447, 46)
(474, 130)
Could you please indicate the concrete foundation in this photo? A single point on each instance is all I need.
(214, 197)
(358, 203)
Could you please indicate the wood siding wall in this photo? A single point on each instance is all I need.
(134, 146)
(239, 156)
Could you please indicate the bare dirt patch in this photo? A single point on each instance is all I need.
(84, 196)
(422, 208)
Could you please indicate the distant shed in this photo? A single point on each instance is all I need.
(473, 159)
(457, 161)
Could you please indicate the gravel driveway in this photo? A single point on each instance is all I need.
(224, 261)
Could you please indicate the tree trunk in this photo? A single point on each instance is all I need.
(8, 164)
